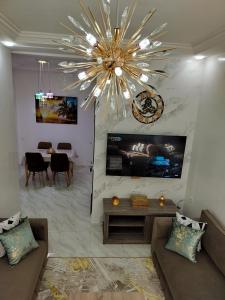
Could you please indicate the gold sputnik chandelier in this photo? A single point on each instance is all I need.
(114, 63)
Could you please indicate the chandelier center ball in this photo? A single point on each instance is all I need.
(115, 58)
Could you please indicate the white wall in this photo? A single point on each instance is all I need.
(29, 133)
(206, 188)
(9, 187)
(181, 95)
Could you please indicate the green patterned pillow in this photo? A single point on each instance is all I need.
(184, 240)
(18, 242)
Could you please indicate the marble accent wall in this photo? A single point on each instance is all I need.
(181, 92)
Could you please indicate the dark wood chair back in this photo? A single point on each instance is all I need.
(64, 146)
(44, 145)
(35, 162)
(59, 162)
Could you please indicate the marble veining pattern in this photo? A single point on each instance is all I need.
(71, 233)
(181, 93)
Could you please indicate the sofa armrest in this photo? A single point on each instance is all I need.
(40, 229)
(161, 229)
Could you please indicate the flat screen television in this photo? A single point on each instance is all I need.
(138, 155)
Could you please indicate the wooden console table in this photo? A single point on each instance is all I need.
(125, 224)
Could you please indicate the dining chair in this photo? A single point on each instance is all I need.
(64, 146)
(35, 164)
(44, 145)
(60, 164)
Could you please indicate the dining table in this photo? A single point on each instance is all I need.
(47, 156)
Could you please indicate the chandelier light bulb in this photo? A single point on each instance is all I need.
(108, 81)
(126, 94)
(118, 71)
(97, 92)
(99, 60)
(89, 51)
(82, 75)
(144, 78)
(144, 44)
(134, 54)
(91, 39)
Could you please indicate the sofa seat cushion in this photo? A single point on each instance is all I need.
(19, 282)
(186, 280)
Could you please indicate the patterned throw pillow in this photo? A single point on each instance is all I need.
(184, 240)
(192, 224)
(18, 242)
(7, 225)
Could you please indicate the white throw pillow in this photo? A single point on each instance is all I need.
(192, 224)
(7, 225)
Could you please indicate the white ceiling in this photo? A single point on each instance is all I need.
(33, 24)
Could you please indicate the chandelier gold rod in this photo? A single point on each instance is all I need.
(96, 24)
(81, 51)
(101, 84)
(117, 94)
(129, 17)
(78, 65)
(152, 53)
(143, 23)
(90, 17)
(102, 14)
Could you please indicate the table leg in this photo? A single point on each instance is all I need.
(71, 168)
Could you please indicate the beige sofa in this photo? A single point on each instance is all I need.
(20, 282)
(182, 279)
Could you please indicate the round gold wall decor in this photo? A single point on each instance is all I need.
(148, 108)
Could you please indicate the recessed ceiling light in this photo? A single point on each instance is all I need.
(8, 43)
(221, 58)
(40, 61)
(199, 57)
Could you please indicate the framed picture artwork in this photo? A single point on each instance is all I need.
(58, 110)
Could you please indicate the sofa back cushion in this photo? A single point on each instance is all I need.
(213, 240)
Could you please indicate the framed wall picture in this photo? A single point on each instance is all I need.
(58, 110)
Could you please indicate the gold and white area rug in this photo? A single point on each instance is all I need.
(64, 277)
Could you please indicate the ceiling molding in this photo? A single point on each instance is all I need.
(43, 43)
(42, 38)
(215, 41)
(8, 28)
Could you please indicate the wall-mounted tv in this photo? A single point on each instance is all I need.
(139, 155)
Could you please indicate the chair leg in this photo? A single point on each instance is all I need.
(47, 177)
(27, 177)
(71, 167)
(42, 178)
(67, 177)
(53, 177)
(33, 176)
(39, 175)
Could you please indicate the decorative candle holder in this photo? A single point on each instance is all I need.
(162, 201)
(115, 201)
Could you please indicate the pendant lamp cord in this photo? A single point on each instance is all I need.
(39, 81)
(117, 13)
(49, 80)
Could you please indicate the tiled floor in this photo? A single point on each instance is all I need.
(68, 212)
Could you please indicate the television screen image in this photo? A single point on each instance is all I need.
(138, 155)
